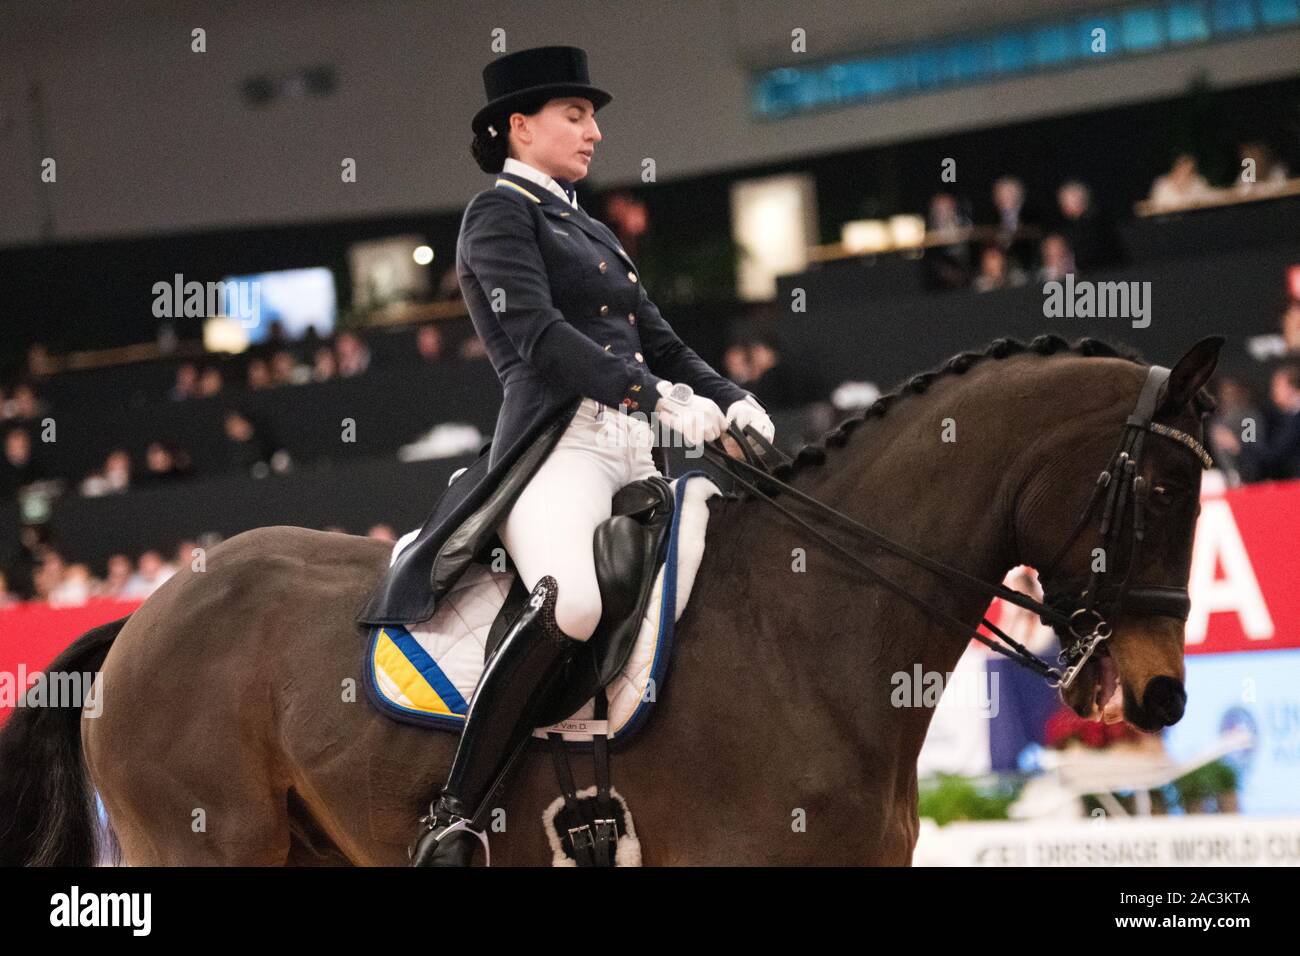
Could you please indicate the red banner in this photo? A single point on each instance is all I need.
(1244, 571)
(33, 634)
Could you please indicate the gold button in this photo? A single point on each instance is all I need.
(631, 319)
(604, 310)
(604, 266)
(631, 277)
(639, 357)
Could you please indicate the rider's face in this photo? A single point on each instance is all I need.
(559, 139)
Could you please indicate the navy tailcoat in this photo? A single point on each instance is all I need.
(563, 315)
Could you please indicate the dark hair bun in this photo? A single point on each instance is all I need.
(490, 151)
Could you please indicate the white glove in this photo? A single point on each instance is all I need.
(698, 420)
(747, 411)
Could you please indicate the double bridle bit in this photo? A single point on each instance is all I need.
(1120, 483)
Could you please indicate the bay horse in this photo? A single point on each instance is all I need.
(233, 729)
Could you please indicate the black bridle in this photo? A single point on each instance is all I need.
(1120, 484)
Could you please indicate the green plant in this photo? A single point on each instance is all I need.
(948, 797)
(1212, 780)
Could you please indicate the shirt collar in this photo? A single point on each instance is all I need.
(533, 174)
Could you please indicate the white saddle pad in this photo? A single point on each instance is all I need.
(427, 672)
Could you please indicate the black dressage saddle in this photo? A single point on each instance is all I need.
(628, 547)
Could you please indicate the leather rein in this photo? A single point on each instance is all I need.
(1120, 484)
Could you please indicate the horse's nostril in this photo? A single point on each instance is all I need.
(1164, 700)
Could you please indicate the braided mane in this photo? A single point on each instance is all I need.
(1050, 344)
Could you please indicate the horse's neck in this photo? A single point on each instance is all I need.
(947, 503)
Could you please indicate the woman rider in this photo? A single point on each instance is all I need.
(561, 312)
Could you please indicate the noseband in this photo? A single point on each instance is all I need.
(1086, 616)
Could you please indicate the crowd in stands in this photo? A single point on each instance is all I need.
(41, 572)
(1184, 187)
(1256, 437)
(275, 363)
(1022, 243)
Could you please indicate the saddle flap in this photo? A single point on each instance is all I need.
(627, 552)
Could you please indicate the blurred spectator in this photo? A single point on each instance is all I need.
(248, 449)
(119, 573)
(6, 598)
(150, 575)
(428, 343)
(1285, 343)
(947, 266)
(1016, 221)
(185, 554)
(259, 374)
(1091, 236)
(74, 589)
(324, 367)
(352, 354)
(23, 404)
(187, 383)
(1057, 259)
(1235, 410)
(1181, 186)
(210, 381)
(245, 447)
(282, 367)
(20, 567)
(164, 463)
(382, 532)
(19, 468)
(629, 219)
(736, 364)
(757, 367)
(115, 477)
(1275, 454)
(1260, 169)
(48, 574)
(285, 369)
(997, 271)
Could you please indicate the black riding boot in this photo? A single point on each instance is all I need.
(531, 655)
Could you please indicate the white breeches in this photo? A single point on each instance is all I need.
(550, 527)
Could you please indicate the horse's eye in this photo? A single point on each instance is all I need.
(1163, 494)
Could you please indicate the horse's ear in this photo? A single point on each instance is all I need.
(1192, 371)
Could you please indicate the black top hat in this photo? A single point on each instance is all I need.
(516, 77)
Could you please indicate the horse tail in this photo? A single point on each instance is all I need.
(48, 811)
